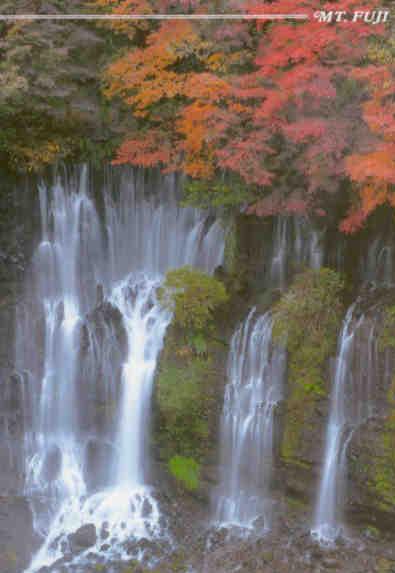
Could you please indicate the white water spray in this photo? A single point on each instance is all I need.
(352, 403)
(93, 309)
(255, 374)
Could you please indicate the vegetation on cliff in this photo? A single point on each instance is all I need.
(383, 466)
(306, 322)
(185, 383)
(387, 334)
(193, 296)
(382, 470)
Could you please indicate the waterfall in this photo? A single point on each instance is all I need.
(255, 384)
(352, 403)
(295, 244)
(377, 265)
(88, 339)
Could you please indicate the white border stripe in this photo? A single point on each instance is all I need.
(16, 17)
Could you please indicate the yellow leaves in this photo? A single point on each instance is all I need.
(217, 62)
(119, 7)
(383, 53)
(39, 156)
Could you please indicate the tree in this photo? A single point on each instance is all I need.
(260, 100)
(373, 171)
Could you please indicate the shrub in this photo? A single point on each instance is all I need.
(186, 471)
(193, 296)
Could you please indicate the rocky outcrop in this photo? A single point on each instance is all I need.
(83, 538)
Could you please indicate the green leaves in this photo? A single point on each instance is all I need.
(205, 194)
(193, 296)
(183, 400)
(186, 471)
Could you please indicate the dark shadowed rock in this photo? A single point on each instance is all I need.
(146, 509)
(83, 538)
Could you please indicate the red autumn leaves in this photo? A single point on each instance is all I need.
(240, 96)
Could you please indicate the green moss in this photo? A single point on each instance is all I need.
(186, 471)
(186, 375)
(306, 321)
(231, 247)
(193, 296)
(383, 482)
(387, 334)
(385, 565)
(183, 400)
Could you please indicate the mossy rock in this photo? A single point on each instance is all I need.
(193, 296)
(185, 394)
(383, 465)
(307, 319)
(186, 471)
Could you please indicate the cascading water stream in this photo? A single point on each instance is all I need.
(92, 307)
(377, 265)
(352, 403)
(255, 372)
(295, 243)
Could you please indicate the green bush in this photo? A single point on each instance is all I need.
(186, 471)
(193, 296)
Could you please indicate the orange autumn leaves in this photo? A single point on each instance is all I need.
(215, 96)
(182, 107)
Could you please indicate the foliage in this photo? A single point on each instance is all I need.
(306, 321)
(205, 194)
(373, 170)
(51, 102)
(183, 399)
(257, 100)
(387, 334)
(186, 471)
(289, 120)
(193, 296)
(186, 375)
(384, 463)
(383, 476)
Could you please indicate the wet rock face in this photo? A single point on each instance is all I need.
(18, 224)
(83, 538)
(370, 407)
(17, 540)
(371, 459)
